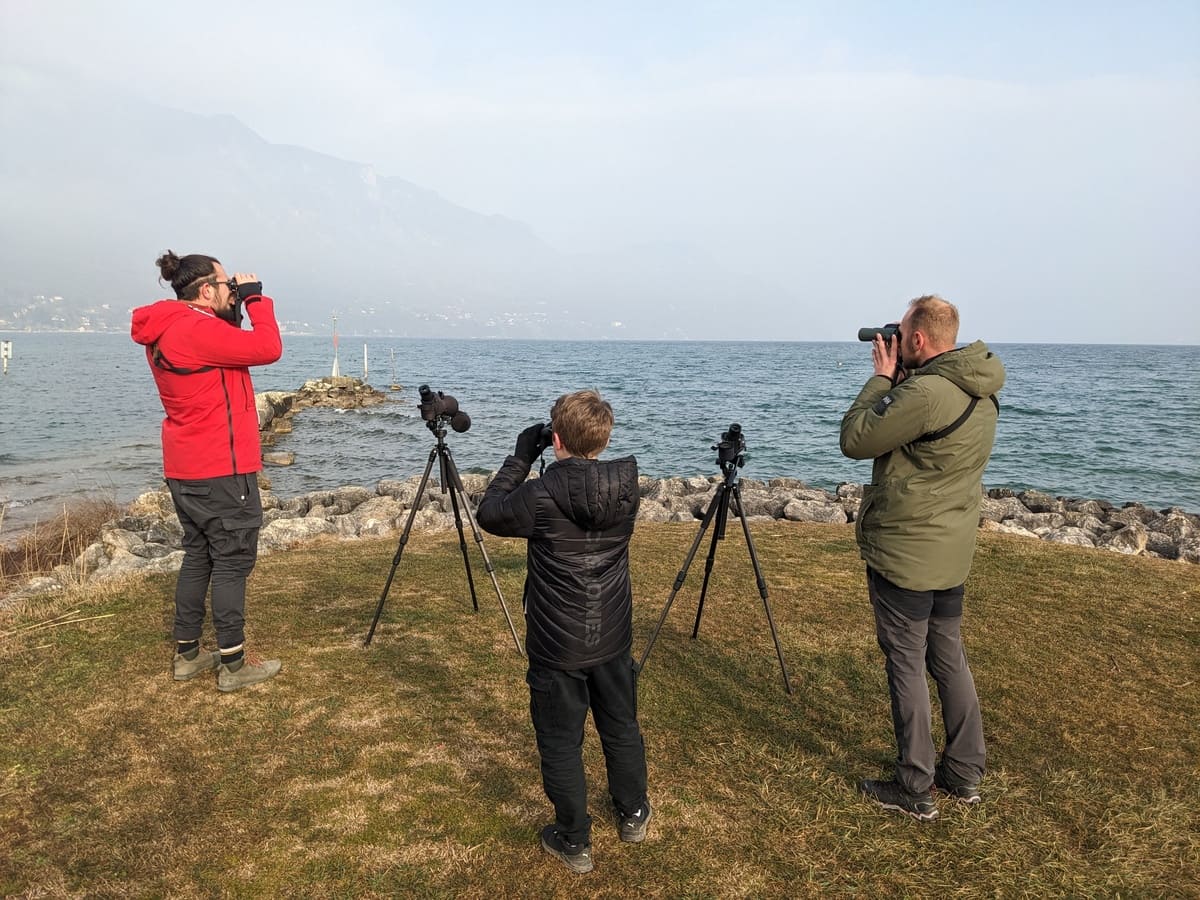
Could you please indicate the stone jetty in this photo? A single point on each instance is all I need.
(148, 537)
(276, 408)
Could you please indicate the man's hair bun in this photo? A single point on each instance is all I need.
(168, 265)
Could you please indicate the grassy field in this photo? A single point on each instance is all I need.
(409, 769)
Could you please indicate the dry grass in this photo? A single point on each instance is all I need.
(408, 768)
(58, 541)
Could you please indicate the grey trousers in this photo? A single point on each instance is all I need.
(220, 518)
(913, 643)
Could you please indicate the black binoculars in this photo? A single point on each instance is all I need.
(887, 332)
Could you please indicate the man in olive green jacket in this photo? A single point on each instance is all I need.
(928, 419)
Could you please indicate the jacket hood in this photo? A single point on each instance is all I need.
(594, 494)
(150, 322)
(973, 368)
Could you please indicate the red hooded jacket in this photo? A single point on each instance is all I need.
(211, 428)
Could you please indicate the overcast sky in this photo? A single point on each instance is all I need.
(1037, 163)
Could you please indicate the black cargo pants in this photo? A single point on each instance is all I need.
(558, 703)
(220, 518)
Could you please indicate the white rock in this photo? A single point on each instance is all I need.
(1069, 535)
(118, 539)
(1130, 540)
(431, 520)
(1010, 527)
(653, 511)
(999, 510)
(815, 511)
(284, 533)
(377, 517)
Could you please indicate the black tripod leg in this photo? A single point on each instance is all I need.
(412, 514)
(762, 587)
(708, 514)
(722, 500)
(462, 542)
(457, 485)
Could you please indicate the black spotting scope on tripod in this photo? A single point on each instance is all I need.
(731, 451)
(439, 410)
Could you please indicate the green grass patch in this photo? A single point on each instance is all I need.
(408, 768)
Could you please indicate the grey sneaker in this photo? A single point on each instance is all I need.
(249, 673)
(187, 669)
(892, 795)
(632, 828)
(578, 857)
(963, 792)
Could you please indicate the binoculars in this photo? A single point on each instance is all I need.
(887, 332)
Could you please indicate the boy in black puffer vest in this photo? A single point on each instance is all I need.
(578, 518)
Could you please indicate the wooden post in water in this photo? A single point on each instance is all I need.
(5, 353)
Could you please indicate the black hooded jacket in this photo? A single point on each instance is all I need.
(578, 518)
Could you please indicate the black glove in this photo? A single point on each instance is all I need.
(248, 289)
(531, 442)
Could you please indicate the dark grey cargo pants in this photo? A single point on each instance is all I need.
(919, 631)
(220, 518)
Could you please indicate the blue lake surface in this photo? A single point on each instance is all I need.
(79, 413)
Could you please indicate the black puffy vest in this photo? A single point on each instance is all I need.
(578, 518)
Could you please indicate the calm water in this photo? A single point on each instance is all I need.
(79, 413)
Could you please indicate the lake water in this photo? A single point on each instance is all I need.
(79, 413)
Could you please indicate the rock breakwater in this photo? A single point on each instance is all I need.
(276, 408)
(148, 537)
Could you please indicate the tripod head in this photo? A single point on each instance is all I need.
(731, 449)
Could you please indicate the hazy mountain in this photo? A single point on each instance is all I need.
(94, 185)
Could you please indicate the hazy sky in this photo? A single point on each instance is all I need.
(1037, 163)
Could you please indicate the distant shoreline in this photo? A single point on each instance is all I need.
(606, 339)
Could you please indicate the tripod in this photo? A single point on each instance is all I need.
(458, 501)
(719, 509)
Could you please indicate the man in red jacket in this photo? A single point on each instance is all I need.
(199, 356)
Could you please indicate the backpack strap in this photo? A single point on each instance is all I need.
(163, 363)
(957, 423)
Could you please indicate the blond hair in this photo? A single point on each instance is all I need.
(583, 422)
(936, 318)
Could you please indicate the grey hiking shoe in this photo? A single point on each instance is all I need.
(248, 673)
(892, 795)
(632, 828)
(577, 857)
(187, 669)
(963, 792)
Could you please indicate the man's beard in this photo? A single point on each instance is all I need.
(232, 315)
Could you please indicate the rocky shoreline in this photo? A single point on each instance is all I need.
(147, 539)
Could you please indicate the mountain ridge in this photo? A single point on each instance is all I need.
(100, 183)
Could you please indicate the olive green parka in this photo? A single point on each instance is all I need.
(919, 515)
